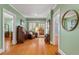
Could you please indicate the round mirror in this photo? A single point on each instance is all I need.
(70, 20)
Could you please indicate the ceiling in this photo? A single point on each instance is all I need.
(34, 10)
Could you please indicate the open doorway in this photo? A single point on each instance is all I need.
(37, 27)
(56, 27)
(40, 31)
(8, 30)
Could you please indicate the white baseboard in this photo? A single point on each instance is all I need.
(61, 52)
(1, 51)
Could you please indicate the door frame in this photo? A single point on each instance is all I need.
(57, 13)
(14, 28)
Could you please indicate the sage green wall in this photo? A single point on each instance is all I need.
(69, 41)
(0, 28)
(49, 17)
(18, 17)
(51, 26)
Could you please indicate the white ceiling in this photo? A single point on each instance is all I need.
(34, 10)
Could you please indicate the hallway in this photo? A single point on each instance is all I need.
(32, 47)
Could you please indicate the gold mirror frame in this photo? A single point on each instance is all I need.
(64, 19)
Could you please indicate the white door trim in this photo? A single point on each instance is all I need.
(57, 13)
(14, 28)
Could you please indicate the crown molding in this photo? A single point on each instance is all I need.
(16, 10)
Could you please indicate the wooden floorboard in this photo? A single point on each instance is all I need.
(32, 47)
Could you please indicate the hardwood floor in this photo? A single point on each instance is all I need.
(8, 43)
(32, 47)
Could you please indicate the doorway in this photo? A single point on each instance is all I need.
(8, 30)
(9, 34)
(37, 27)
(56, 27)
